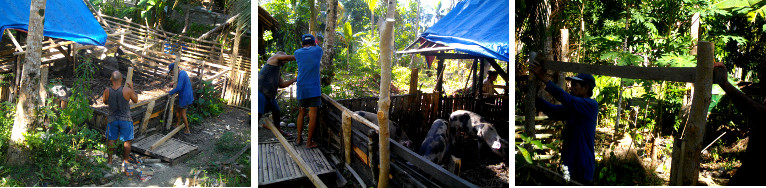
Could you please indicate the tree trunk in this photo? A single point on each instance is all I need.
(313, 18)
(328, 47)
(29, 98)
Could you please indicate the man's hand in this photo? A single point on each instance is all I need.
(720, 74)
(539, 72)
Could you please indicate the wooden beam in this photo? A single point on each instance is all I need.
(166, 137)
(353, 116)
(68, 43)
(294, 155)
(677, 74)
(450, 55)
(15, 43)
(500, 71)
(445, 48)
(98, 15)
(218, 28)
(146, 101)
(436, 171)
(384, 101)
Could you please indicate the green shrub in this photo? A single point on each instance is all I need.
(207, 104)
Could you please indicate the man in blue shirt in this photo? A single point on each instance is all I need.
(309, 90)
(580, 113)
(185, 96)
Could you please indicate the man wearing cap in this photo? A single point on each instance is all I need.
(580, 113)
(309, 90)
(269, 80)
(185, 96)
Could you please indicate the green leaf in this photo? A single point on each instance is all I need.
(525, 153)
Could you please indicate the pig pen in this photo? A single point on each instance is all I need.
(414, 114)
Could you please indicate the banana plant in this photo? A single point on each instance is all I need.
(151, 9)
(753, 8)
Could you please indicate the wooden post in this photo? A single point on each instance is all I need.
(529, 102)
(413, 81)
(685, 164)
(563, 56)
(384, 102)
(166, 137)
(439, 73)
(129, 79)
(347, 136)
(372, 142)
(172, 99)
(147, 116)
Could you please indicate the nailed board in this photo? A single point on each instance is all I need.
(172, 151)
(275, 164)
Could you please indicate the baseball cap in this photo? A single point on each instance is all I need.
(585, 78)
(170, 68)
(307, 39)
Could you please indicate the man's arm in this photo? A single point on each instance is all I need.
(274, 60)
(569, 101)
(106, 95)
(553, 111)
(283, 84)
(744, 103)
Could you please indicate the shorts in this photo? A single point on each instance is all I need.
(310, 102)
(178, 103)
(123, 129)
(265, 105)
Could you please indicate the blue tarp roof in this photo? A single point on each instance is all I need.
(476, 27)
(64, 19)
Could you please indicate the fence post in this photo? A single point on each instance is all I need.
(529, 104)
(347, 136)
(685, 164)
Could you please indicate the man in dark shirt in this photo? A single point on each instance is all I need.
(749, 172)
(120, 124)
(269, 80)
(580, 113)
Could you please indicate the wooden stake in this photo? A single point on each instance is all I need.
(384, 102)
(43, 83)
(293, 154)
(166, 137)
(686, 166)
(172, 100)
(130, 76)
(15, 43)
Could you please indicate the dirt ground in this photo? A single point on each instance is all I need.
(203, 135)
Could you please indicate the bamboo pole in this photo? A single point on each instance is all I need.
(15, 42)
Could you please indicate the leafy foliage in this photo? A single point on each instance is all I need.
(207, 104)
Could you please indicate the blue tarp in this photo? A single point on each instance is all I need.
(64, 19)
(476, 27)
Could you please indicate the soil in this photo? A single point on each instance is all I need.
(203, 135)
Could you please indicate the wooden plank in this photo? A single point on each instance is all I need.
(313, 177)
(439, 173)
(677, 74)
(166, 137)
(354, 116)
(147, 116)
(129, 78)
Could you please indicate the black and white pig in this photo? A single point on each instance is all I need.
(436, 146)
(394, 131)
(61, 94)
(475, 125)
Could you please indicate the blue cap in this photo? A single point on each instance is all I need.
(585, 78)
(170, 68)
(307, 39)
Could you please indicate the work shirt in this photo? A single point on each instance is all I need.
(184, 90)
(268, 80)
(581, 115)
(308, 72)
